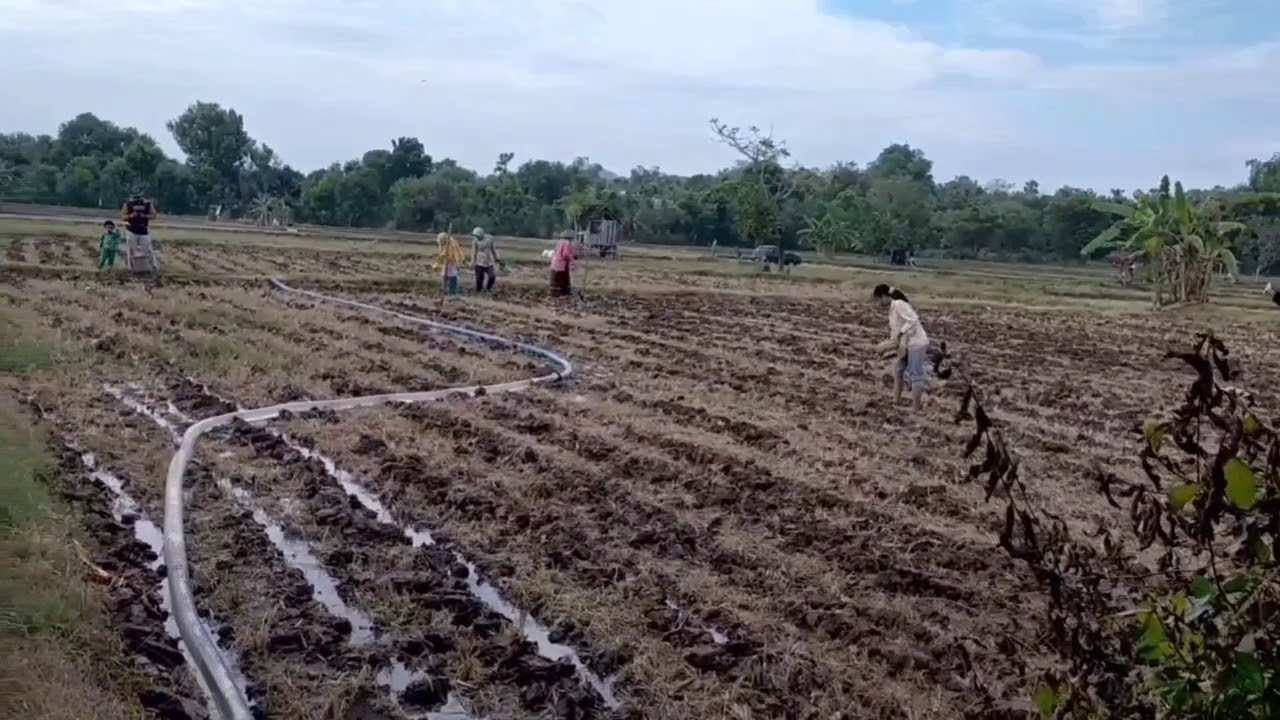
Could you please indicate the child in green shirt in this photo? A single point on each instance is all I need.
(109, 245)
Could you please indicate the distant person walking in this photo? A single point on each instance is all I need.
(562, 259)
(484, 257)
(449, 260)
(109, 246)
(907, 341)
(1275, 296)
(137, 213)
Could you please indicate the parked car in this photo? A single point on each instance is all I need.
(769, 254)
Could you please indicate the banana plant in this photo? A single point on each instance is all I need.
(826, 234)
(281, 213)
(1184, 245)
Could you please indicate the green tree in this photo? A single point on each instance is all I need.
(345, 198)
(426, 203)
(1264, 175)
(760, 185)
(217, 147)
(891, 202)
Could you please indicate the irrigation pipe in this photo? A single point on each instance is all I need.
(227, 696)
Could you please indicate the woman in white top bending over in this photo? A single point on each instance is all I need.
(909, 341)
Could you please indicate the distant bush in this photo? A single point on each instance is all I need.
(1193, 629)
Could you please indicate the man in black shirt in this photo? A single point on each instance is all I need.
(137, 214)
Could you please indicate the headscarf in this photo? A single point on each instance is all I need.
(450, 253)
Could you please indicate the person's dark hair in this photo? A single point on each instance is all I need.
(893, 293)
(108, 224)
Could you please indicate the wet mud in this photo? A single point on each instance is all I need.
(123, 544)
(724, 514)
(383, 569)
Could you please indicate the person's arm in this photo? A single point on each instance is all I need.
(896, 328)
(475, 250)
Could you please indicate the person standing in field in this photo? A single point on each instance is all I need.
(137, 213)
(562, 259)
(109, 246)
(907, 340)
(449, 260)
(484, 257)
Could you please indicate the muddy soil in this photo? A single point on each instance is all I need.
(293, 657)
(135, 602)
(562, 524)
(416, 594)
(15, 251)
(723, 508)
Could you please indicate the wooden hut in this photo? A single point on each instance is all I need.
(600, 230)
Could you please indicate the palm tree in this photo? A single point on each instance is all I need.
(1181, 244)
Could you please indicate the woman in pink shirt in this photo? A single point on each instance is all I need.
(561, 260)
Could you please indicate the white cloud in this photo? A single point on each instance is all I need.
(1122, 14)
(623, 82)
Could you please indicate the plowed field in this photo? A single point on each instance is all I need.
(721, 516)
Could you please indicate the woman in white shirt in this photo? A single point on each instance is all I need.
(909, 341)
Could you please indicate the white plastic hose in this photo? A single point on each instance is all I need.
(227, 696)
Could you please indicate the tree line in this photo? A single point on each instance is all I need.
(893, 202)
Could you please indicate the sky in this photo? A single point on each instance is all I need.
(1090, 93)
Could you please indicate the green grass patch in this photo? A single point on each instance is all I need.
(18, 357)
(41, 590)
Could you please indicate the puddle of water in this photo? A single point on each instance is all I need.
(486, 593)
(123, 505)
(324, 587)
(398, 678)
(297, 554)
(483, 591)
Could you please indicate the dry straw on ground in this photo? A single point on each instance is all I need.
(727, 467)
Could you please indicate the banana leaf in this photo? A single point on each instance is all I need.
(1229, 262)
(1105, 240)
(1181, 206)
